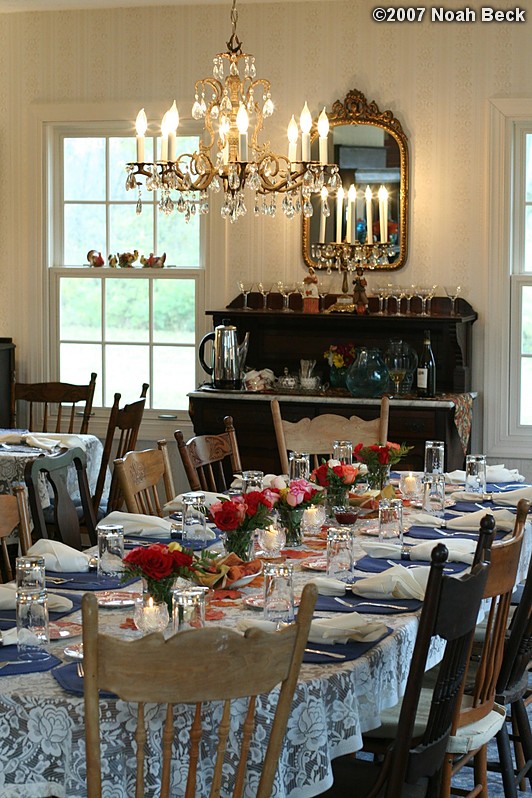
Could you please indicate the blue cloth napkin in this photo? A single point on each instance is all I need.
(376, 565)
(8, 618)
(349, 651)
(67, 677)
(499, 487)
(372, 606)
(193, 545)
(10, 653)
(87, 581)
(430, 533)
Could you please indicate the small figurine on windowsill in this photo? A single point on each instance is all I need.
(153, 262)
(127, 259)
(95, 258)
(360, 299)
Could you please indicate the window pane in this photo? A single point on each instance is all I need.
(528, 167)
(78, 361)
(526, 391)
(179, 239)
(127, 314)
(173, 311)
(127, 367)
(84, 169)
(128, 232)
(526, 316)
(528, 239)
(173, 376)
(80, 309)
(121, 152)
(84, 230)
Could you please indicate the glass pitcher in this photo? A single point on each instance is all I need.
(367, 376)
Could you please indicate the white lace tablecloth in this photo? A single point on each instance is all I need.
(12, 465)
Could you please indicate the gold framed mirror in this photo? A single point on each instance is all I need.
(371, 150)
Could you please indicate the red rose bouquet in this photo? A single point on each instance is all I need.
(239, 516)
(159, 565)
(336, 478)
(378, 459)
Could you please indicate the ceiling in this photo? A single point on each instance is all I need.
(76, 5)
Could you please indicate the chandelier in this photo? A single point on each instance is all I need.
(233, 104)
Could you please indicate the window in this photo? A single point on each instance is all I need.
(128, 325)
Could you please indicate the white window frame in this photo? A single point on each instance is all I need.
(76, 121)
(503, 434)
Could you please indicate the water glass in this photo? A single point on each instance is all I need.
(252, 480)
(343, 452)
(188, 608)
(475, 473)
(30, 572)
(32, 624)
(434, 457)
(410, 485)
(194, 518)
(110, 549)
(279, 593)
(339, 552)
(176, 529)
(434, 494)
(391, 521)
(298, 465)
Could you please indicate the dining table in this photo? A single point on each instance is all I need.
(337, 699)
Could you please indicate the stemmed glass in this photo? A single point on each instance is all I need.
(409, 292)
(430, 295)
(264, 291)
(285, 291)
(423, 294)
(245, 290)
(397, 365)
(324, 287)
(453, 292)
(381, 290)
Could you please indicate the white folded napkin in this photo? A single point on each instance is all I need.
(274, 481)
(424, 519)
(9, 637)
(494, 473)
(43, 441)
(508, 497)
(470, 522)
(8, 599)
(396, 582)
(177, 502)
(459, 550)
(340, 629)
(328, 586)
(145, 526)
(59, 557)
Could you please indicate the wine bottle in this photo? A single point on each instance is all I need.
(426, 369)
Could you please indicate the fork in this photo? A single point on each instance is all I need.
(79, 668)
(345, 603)
(324, 653)
(57, 580)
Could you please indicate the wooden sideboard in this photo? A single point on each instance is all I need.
(7, 370)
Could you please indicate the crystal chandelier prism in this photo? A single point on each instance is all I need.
(233, 104)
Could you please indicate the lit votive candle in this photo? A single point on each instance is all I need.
(409, 485)
(313, 518)
(271, 540)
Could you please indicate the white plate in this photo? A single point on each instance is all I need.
(116, 598)
(245, 580)
(314, 565)
(75, 651)
(61, 629)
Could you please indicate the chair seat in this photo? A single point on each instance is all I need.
(358, 777)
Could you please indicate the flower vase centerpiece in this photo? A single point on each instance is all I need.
(292, 501)
(378, 459)
(339, 358)
(239, 516)
(336, 478)
(158, 566)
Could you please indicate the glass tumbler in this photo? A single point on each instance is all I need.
(298, 465)
(194, 517)
(279, 593)
(434, 494)
(339, 552)
(30, 572)
(32, 624)
(343, 452)
(252, 480)
(188, 608)
(110, 549)
(475, 473)
(391, 521)
(434, 457)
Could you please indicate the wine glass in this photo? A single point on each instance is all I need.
(397, 364)
(285, 290)
(264, 291)
(324, 287)
(430, 294)
(245, 290)
(380, 291)
(409, 292)
(453, 292)
(423, 294)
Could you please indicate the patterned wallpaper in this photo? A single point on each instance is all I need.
(436, 77)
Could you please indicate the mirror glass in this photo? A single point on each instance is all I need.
(371, 150)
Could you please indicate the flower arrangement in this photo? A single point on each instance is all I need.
(378, 458)
(340, 355)
(336, 478)
(159, 565)
(292, 501)
(239, 516)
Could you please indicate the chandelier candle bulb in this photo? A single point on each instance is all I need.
(305, 123)
(339, 214)
(369, 214)
(293, 135)
(164, 137)
(383, 213)
(352, 226)
(323, 132)
(173, 124)
(242, 122)
(141, 125)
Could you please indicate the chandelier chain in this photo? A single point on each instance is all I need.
(234, 45)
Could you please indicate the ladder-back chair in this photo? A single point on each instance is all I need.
(210, 461)
(143, 476)
(14, 513)
(60, 395)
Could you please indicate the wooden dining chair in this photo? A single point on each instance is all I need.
(66, 524)
(144, 478)
(210, 461)
(144, 671)
(316, 435)
(54, 397)
(122, 433)
(14, 514)
(410, 744)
